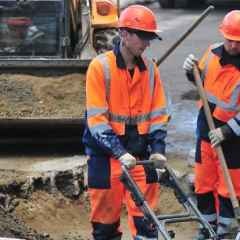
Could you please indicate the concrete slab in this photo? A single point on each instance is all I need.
(42, 164)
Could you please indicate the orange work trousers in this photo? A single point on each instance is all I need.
(209, 176)
(106, 204)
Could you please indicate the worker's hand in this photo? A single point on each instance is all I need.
(159, 159)
(216, 136)
(220, 134)
(128, 160)
(189, 63)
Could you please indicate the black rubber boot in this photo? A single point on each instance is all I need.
(202, 234)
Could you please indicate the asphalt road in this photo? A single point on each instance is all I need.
(173, 23)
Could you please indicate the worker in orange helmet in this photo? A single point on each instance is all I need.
(220, 72)
(19, 26)
(126, 122)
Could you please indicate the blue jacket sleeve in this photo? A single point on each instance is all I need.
(109, 141)
(156, 141)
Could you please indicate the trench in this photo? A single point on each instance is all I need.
(42, 163)
(43, 173)
(39, 157)
(59, 178)
(43, 180)
(41, 136)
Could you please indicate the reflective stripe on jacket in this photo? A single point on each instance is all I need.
(222, 86)
(221, 80)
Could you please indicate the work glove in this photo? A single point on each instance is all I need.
(189, 63)
(159, 160)
(220, 134)
(128, 160)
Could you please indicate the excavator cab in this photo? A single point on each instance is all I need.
(31, 30)
(55, 32)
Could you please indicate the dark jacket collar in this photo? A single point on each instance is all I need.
(120, 62)
(225, 58)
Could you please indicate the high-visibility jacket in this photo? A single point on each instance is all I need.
(115, 100)
(221, 79)
(220, 73)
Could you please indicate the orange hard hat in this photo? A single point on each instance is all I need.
(138, 17)
(19, 22)
(230, 26)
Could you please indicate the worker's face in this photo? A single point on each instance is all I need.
(232, 47)
(135, 44)
(18, 32)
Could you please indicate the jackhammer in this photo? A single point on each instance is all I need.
(159, 223)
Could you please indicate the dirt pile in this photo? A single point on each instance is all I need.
(26, 96)
(55, 215)
(11, 226)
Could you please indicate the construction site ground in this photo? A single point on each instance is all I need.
(44, 197)
(31, 211)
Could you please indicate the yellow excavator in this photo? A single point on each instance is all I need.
(48, 35)
(55, 33)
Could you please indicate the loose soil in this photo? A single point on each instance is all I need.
(43, 214)
(26, 96)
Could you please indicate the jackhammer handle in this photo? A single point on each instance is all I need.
(171, 174)
(186, 198)
(145, 162)
(183, 197)
(218, 149)
(176, 184)
(191, 28)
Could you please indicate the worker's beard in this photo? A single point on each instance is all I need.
(131, 51)
(232, 52)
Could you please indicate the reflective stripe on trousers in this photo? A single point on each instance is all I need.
(212, 194)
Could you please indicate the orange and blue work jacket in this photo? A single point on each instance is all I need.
(125, 112)
(221, 79)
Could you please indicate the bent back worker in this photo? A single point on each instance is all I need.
(220, 72)
(126, 122)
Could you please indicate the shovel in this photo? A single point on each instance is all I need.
(218, 149)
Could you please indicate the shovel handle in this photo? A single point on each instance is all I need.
(185, 34)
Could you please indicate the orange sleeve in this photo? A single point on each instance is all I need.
(95, 93)
(159, 99)
(95, 86)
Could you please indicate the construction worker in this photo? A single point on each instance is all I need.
(220, 71)
(20, 34)
(126, 122)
